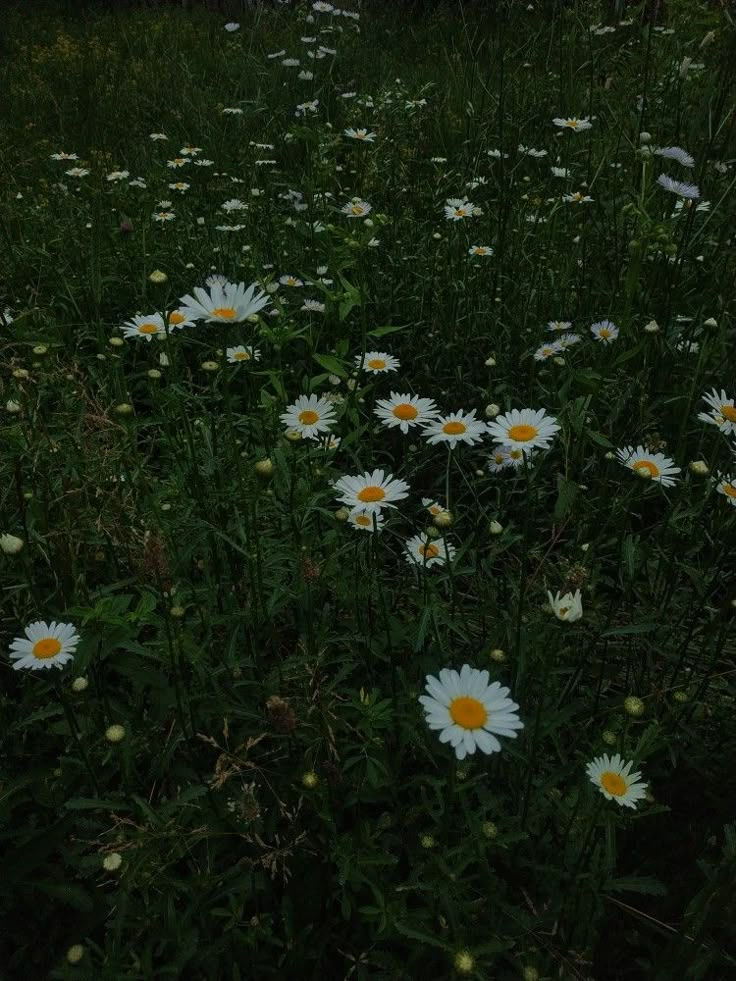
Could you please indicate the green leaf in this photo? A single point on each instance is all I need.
(567, 492)
(424, 938)
(599, 439)
(331, 365)
(387, 329)
(645, 884)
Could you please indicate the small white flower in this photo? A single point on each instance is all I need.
(309, 416)
(425, 551)
(44, 646)
(682, 189)
(568, 607)
(573, 123)
(615, 780)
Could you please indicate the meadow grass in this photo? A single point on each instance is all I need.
(226, 771)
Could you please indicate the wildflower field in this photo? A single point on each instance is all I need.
(368, 491)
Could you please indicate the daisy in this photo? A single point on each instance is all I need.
(547, 351)
(434, 507)
(232, 110)
(722, 414)
(405, 411)
(180, 186)
(163, 216)
(364, 520)
(356, 208)
(577, 197)
(498, 460)
(225, 304)
(652, 466)
(558, 326)
(568, 607)
(144, 327)
(237, 354)
(377, 362)
(312, 306)
(47, 644)
(117, 175)
(483, 250)
(425, 551)
(457, 427)
(727, 487)
(604, 331)
(468, 712)
(573, 123)
(178, 319)
(360, 134)
(458, 208)
(682, 206)
(216, 279)
(676, 153)
(178, 162)
(523, 429)
(568, 340)
(234, 204)
(680, 188)
(371, 491)
(615, 780)
(64, 156)
(309, 416)
(77, 172)
(291, 281)
(232, 26)
(156, 137)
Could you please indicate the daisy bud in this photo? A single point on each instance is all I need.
(40, 349)
(333, 379)
(310, 780)
(710, 322)
(699, 467)
(124, 409)
(495, 528)
(163, 360)
(427, 841)
(490, 362)
(116, 342)
(292, 435)
(264, 468)
(209, 366)
(80, 684)
(10, 544)
(342, 514)
(153, 373)
(530, 973)
(645, 137)
(634, 707)
(21, 374)
(158, 277)
(464, 962)
(585, 547)
(177, 612)
(560, 362)
(351, 383)
(444, 519)
(75, 954)
(610, 456)
(12, 407)
(497, 655)
(112, 862)
(608, 737)
(432, 532)
(115, 734)
(436, 236)
(489, 829)
(680, 696)
(492, 410)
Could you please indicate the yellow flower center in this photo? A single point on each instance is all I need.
(454, 428)
(729, 490)
(405, 411)
(308, 417)
(360, 135)
(290, 281)
(176, 318)
(48, 647)
(377, 364)
(363, 520)
(468, 712)
(729, 412)
(479, 250)
(645, 468)
(614, 783)
(428, 551)
(604, 332)
(242, 356)
(572, 123)
(460, 212)
(148, 329)
(371, 494)
(227, 313)
(523, 433)
(357, 209)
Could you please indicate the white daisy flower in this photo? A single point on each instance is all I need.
(312, 306)
(456, 209)
(727, 487)
(524, 429)
(468, 712)
(292, 281)
(652, 466)
(481, 250)
(680, 188)
(77, 172)
(615, 780)
(46, 645)
(230, 111)
(371, 491)
(681, 207)
(558, 326)
(425, 551)
(64, 156)
(568, 340)
(356, 208)
(604, 331)
(180, 186)
(240, 353)
(234, 204)
(722, 414)
(498, 460)
(232, 26)
(573, 123)
(144, 326)
(364, 520)
(676, 153)
(377, 362)
(547, 351)
(568, 607)
(434, 507)
(163, 216)
(309, 416)
(117, 175)
(405, 411)
(577, 197)
(178, 319)
(178, 162)
(156, 137)
(457, 427)
(225, 304)
(560, 171)
(216, 279)
(360, 134)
